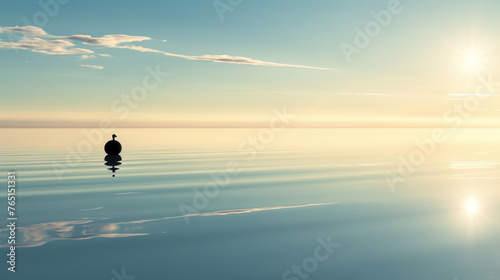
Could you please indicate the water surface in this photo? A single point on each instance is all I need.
(164, 216)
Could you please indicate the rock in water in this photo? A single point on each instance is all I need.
(113, 147)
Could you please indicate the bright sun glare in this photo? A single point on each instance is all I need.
(472, 60)
(472, 207)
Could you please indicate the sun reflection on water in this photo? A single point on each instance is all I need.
(472, 207)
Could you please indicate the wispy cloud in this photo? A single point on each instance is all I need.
(365, 93)
(40, 45)
(473, 94)
(97, 67)
(116, 41)
(86, 56)
(50, 44)
(108, 40)
(30, 30)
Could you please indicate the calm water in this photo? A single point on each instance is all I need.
(164, 217)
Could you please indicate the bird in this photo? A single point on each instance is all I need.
(113, 147)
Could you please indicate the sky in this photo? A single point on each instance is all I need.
(357, 63)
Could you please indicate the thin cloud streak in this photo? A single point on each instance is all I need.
(473, 94)
(366, 94)
(115, 41)
(63, 44)
(39, 45)
(97, 67)
(30, 30)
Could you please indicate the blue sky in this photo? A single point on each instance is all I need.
(407, 70)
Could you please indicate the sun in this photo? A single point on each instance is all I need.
(472, 207)
(472, 60)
